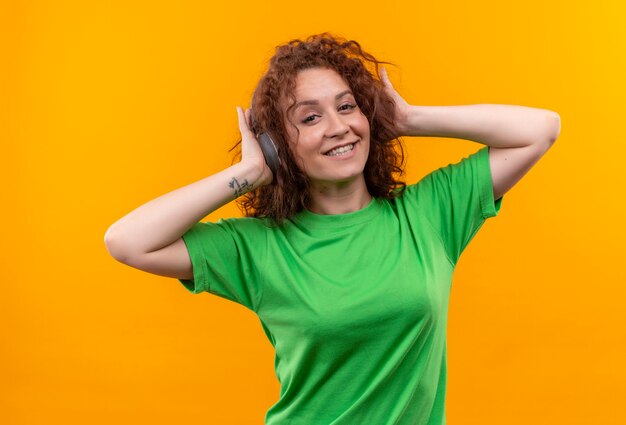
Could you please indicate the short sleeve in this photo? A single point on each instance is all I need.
(457, 199)
(226, 258)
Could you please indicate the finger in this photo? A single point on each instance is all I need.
(383, 73)
(243, 125)
(249, 118)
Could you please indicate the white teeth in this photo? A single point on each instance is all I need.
(341, 150)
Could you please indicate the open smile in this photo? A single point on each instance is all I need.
(343, 150)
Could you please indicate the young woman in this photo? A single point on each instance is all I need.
(348, 269)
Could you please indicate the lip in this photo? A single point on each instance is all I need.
(338, 146)
(348, 155)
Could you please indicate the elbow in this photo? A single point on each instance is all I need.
(554, 126)
(114, 247)
(548, 132)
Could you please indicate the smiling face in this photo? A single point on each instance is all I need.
(334, 135)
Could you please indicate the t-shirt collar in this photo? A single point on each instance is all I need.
(311, 220)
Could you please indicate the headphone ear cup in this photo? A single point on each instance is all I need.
(268, 146)
(270, 151)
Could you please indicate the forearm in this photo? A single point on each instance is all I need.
(500, 126)
(163, 220)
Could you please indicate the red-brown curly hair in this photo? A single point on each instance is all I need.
(289, 191)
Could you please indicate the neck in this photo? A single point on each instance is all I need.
(339, 198)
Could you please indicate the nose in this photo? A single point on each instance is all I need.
(337, 126)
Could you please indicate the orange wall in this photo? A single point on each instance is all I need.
(107, 105)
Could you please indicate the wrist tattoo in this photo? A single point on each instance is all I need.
(240, 188)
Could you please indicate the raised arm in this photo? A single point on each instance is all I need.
(518, 136)
(149, 237)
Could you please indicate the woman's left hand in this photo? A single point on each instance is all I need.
(402, 107)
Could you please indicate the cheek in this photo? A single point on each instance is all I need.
(362, 123)
(309, 141)
(301, 151)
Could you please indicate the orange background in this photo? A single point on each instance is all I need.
(107, 105)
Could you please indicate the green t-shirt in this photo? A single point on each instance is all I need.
(355, 305)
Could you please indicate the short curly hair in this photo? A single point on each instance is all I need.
(289, 192)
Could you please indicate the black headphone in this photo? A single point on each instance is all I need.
(268, 146)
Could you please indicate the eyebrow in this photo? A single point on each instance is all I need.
(315, 102)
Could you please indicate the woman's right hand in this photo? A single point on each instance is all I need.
(251, 149)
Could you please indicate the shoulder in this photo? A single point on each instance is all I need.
(233, 227)
(245, 224)
(462, 171)
(412, 190)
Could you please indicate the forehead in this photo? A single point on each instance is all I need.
(318, 83)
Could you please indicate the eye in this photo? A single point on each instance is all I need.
(347, 107)
(309, 119)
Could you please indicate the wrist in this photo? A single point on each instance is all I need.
(253, 172)
(242, 178)
(412, 122)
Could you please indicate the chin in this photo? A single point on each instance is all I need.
(339, 179)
